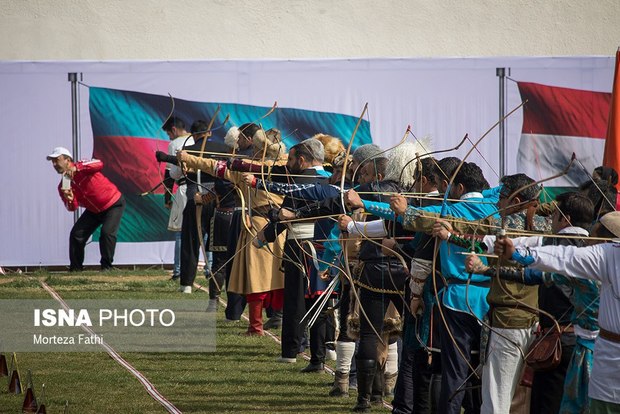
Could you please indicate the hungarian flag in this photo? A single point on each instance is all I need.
(127, 132)
(557, 122)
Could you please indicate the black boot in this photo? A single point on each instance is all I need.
(376, 395)
(274, 322)
(366, 369)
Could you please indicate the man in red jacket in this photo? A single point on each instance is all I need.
(85, 186)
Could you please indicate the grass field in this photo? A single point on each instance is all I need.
(240, 377)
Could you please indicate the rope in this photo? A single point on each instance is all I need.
(150, 388)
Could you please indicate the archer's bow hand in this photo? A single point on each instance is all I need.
(343, 222)
(398, 204)
(442, 229)
(504, 248)
(388, 245)
(353, 200)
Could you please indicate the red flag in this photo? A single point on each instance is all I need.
(611, 157)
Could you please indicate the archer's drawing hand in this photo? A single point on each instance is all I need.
(286, 214)
(473, 264)
(182, 156)
(249, 179)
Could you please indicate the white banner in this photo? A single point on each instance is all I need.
(440, 98)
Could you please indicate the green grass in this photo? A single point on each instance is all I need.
(241, 376)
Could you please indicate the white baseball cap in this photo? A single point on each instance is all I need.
(58, 151)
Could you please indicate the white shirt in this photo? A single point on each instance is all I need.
(370, 229)
(602, 263)
(175, 145)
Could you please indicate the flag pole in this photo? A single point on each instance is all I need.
(501, 74)
(611, 155)
(75, 130)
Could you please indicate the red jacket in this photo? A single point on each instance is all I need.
(91, 189)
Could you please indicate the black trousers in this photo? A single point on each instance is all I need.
(345, 304)
(294, 300)
(218, 274)
(413, 387)
(110, 221)
(235, 302)
(375, 305)
(455, 391)
(318, 334)
(190, 242)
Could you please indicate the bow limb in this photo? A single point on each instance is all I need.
(161, 178)
(347, 154)
(535, 183)
(199, 207)
(204, 140)
(155, 187)
(502, 234)
(247, 221)
(607, 200)
(199, 182)
(440, 308)
(436, 248)
(342, 179)
(171, 111)
(347, 273)
(248, 213)
(402, 141)
(474, 147)
(430, 153)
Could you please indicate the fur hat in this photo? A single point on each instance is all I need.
(611, 221)
(232, 137)
(273, 139)
(333, 147)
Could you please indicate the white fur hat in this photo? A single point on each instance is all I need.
(232, 137)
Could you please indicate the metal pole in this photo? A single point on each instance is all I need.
(74, 78)
(501, 73)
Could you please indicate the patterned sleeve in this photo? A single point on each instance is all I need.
(378, 209)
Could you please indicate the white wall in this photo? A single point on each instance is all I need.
(35, 95)
(249, 29)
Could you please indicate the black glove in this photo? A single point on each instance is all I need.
(160, 156)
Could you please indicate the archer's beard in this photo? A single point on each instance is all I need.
(296, 168)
